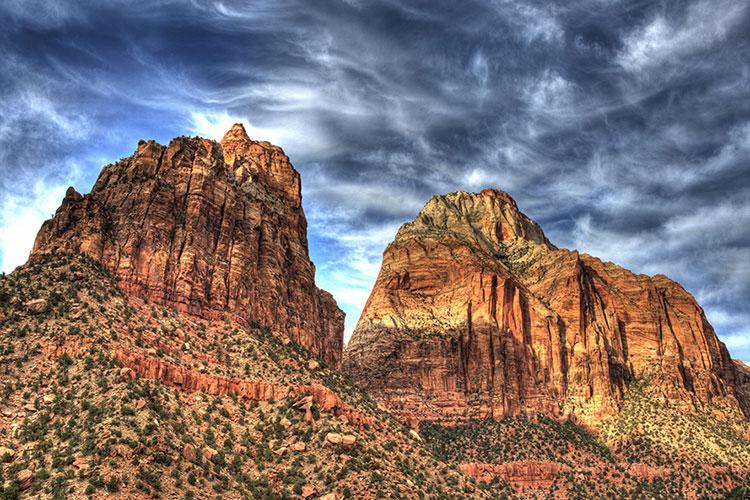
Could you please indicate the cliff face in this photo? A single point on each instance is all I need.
(209, 228)
(475, 313)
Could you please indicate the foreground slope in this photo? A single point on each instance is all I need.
(108, 395)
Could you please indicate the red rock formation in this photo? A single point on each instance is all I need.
(475, 313)
(135, 364)
(208, 228)
(525, 474)
(649, 472)
(191, 380)
(741, 382)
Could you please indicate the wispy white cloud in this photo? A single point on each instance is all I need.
(739, 345)
(664, 40)
(349, 261)
(33, 122)
(297, 139)
(549, 92)
(479, 68)
(535, 22)
(42, 13)
(350, 273)
(738, 341)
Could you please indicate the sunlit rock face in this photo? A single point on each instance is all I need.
(475, 314)
(209, 228)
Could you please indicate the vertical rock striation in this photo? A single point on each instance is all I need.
(475, 314)
(209, 228)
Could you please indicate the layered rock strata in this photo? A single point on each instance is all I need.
(209, 228)
(191, 380)
(475, 314)
(528, 474)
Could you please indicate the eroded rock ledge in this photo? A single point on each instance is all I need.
(525, 474)
(194, 380)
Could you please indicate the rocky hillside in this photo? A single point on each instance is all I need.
(167, 339)
(475, 313)
(209, 229)
(106, 394)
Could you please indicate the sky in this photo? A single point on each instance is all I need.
(622, 127)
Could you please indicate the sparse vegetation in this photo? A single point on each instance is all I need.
(90, 429)
(85, 427)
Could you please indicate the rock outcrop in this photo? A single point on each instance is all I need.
(135, 364)
(475, 313)
(528, 474)
(191, 380)
(741, 382)
(209, 228)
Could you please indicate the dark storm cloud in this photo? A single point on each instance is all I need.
(622, 127)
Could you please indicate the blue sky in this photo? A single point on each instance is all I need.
(622, 127)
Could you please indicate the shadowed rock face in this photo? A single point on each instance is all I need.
(209, 228)
(475, 313)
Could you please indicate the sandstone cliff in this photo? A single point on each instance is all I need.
(475, 313)
(209, 228)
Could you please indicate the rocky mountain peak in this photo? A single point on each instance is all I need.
(260, 162)
(491, 219)
(474, 314)
(207, 228)
(236, 134)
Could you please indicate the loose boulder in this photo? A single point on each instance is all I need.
(37, 306)
(24, 478)
(189, 453)
(208, 453)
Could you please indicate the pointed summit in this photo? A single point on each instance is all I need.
(235, 134)
(260, 160)
(233, 142)
(491, 219)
